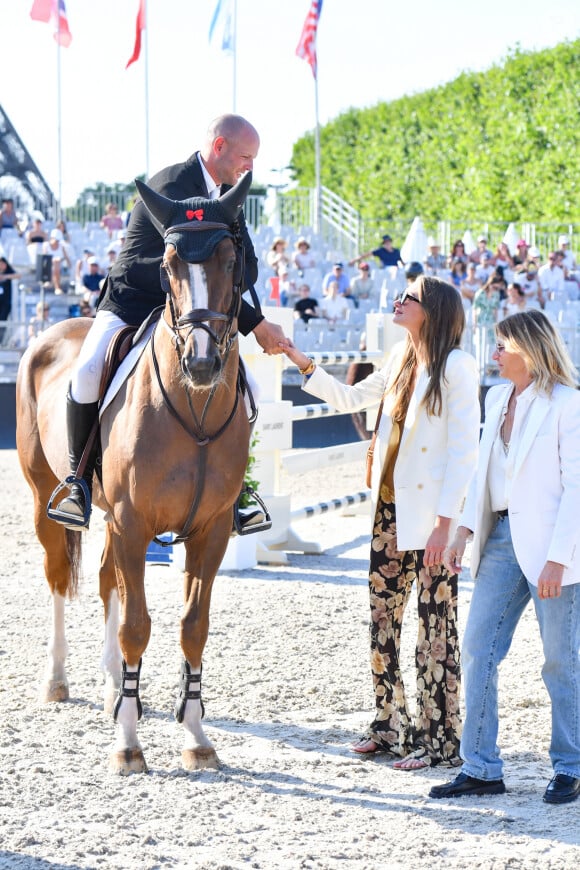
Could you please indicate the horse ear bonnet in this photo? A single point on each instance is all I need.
(192, 246)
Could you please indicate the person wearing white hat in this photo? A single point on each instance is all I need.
(435, 260)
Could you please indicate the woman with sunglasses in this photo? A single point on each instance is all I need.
(426, 454)
(522, 508)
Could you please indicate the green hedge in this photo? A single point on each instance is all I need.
(501, 144)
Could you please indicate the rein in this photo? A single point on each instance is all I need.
(199, 318)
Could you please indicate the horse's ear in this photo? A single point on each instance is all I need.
(160, 206)
(233, 200)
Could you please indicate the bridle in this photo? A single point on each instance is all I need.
(201, 318)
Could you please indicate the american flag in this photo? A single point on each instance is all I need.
(44, 10)
(306, 48)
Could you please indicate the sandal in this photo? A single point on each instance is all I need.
(367, 746)
(417, 760)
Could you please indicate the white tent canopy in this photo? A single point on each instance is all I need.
(414, 247)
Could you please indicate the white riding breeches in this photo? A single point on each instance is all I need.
(86, 377)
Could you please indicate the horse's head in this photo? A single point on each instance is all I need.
(202, 273)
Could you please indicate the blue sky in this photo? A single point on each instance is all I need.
(369, 51)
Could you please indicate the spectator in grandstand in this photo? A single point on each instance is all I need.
(92, 282)
(363, 285)
(458, 273)
(522, 511)
(469, 287)
(551, 277)
(502, 257)
(481, 249)
(484, 266)
(386, 254)
(8, 216)
(535, 255)
(40, 321)
(85, 309)
(435, 261)
(306, 308)
(277, 258)
(527, 277)
(425, 456)
(112, 220)
(61, 225)
(286, 287)
(521, 253)
(61, 259)
(303, 258)
(338, 276)
(568, 258)
(334, 305)
(486, 304)
(457, 253)
(82, 269)
(7, 275)
(36, 235)
(514, 302)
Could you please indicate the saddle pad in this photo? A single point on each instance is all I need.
(126, 368)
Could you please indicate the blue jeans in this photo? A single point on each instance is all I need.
(501, 594)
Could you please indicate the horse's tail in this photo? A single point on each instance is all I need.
(74, 550)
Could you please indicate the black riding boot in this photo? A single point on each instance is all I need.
(80, 419)
(254, 518)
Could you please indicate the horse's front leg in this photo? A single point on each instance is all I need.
(134, 632)
(201, 565)
(111, 661)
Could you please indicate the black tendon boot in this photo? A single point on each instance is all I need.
(74, 510)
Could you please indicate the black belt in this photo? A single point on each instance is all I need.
(502, 513)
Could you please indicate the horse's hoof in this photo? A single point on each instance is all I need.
(127, 761)
(199, 759)
(54, 691)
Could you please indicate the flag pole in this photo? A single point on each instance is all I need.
(234, 56)
(59, 125)
(147, 175)
(317, 203)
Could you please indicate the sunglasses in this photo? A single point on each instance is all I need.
(500, 348)
(406, 295)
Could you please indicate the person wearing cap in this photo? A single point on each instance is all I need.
(521, 255)
(132, 289)
(336, 274)
(303, 258)
(61, 260)
(92, 281)
(363, 285)
(386, 253)
(435, 260)
(482, 248)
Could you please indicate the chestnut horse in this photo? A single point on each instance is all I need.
(174, 443)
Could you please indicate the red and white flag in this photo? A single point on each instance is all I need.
(139, 27)
(45, 10)
(306, 48)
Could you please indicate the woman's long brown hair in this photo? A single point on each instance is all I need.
(440, 333)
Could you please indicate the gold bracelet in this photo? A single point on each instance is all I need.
(309, 368)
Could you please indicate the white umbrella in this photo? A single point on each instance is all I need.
(468, 242)
(511, 239)
(414, 247)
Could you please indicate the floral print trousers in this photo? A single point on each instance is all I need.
(435, 731)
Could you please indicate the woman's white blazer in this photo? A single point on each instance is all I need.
(544, 501)
(438, 454)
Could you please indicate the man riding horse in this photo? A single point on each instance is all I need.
(133, 289)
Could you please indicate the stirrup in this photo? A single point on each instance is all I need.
(261, 526)
(70, 520)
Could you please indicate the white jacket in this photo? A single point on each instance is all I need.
(437, 456)
(544, 502)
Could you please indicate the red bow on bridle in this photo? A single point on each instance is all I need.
(198, 214)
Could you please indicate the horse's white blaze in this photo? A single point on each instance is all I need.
(111, 659)
(126, 737)
(200, 299)
(57, 645)
(194, 735)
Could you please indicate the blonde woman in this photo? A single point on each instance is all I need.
(426, 454)
(522, 509)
